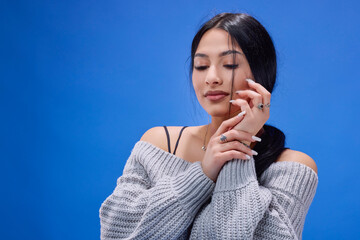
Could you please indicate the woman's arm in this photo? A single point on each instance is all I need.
(137, 210)
(240, 208)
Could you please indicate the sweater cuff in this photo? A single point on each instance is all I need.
(236, 174)
(193, 188)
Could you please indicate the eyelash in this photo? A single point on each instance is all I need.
(201, 68)
(233, 66)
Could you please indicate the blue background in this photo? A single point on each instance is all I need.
(81, 81)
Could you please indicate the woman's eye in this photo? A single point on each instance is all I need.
(200, 68)
(231, 66)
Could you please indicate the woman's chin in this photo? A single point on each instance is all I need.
(221, 114)
(222, 111)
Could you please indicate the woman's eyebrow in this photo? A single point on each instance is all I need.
(220, 55)
(229, 52)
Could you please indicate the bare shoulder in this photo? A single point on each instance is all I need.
(297, 156)
(157, 136)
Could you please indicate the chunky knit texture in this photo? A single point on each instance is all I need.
(161, 196)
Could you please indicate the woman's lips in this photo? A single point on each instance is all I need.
(216, 97)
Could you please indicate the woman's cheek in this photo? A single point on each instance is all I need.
(196, 82)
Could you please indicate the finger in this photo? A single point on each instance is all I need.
(262, 91)
(236, 145)
(255, 97)
(233, 154)
(238, 135)
(229, 123)
(243, 104)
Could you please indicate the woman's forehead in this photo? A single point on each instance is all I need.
(216, 41)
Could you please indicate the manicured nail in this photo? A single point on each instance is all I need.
(256, 138)
(249, 80)
(254, 152)
(232, 101)
(247, 156)
(241, 114)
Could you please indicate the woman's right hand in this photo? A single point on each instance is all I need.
(218, 152)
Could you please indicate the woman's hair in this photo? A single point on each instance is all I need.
(259, 51)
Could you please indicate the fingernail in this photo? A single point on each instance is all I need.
(241, 114)
(249, 80)
(238, 91)
(247, 156)
(254, 152)
(256, 138)
(232, 101)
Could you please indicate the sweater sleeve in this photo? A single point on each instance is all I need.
(241, 208)
(139, 209)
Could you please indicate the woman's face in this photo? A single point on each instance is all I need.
(213, 66)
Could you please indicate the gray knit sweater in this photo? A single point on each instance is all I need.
(162, 196)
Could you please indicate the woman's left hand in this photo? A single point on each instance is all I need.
(255, 118)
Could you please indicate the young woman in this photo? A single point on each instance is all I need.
(230, 179)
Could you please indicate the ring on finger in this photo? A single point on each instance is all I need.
(260, 106)
(246, 145)
(223, 138)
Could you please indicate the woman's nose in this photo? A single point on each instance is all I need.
(212, 76)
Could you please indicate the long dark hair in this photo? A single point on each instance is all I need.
(260, 53)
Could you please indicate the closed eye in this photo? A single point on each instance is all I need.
(231, 66)
(200, 68)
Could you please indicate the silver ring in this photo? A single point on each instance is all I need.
(245, 144)
(260, 106)
(223, 138)
(267, 105)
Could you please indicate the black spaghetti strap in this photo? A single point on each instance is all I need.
(168, 138)
(177, 142)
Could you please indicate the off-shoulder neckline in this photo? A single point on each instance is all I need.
(163, 151)
(274, 164)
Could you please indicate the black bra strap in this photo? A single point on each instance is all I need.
(177, 142)
(168, 138)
